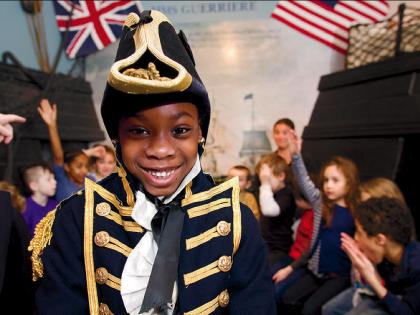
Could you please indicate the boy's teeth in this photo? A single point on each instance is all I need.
(162, 174)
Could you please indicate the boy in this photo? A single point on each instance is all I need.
(157, 237)
(277, 206)
(384, 229)
(244, 176)
(40, 186)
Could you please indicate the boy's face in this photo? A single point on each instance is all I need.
(159, 145)
(244, 183)
(371, 246)
(45, 183)
(281, 136)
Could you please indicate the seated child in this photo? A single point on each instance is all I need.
(277, 206)
(40, 185)
(358, 298)
(102, 167)
(244, 175)
(70, 168)
(384, 237)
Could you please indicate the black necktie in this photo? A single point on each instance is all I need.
(167, 228)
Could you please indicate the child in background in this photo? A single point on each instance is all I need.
(384, 237)
(281, 130)
(278, 206)
(17, 200)
(326, 268)
(358, 298)
(70, 168)
(102, 167)
(244, 175)
(40, 185)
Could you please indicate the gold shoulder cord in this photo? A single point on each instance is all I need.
(42, 238)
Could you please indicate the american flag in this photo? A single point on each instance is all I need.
(93, 24)
(328, 21)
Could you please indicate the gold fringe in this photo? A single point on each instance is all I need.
(42, 238)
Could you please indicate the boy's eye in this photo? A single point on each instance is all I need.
(138, 131)
(179, 131)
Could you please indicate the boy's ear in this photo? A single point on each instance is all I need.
(248, 184)
(282, 176)
(33, 186)
(66, 167)
(381, 239)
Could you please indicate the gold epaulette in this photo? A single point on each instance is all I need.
(42, 238)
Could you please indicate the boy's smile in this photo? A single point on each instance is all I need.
(159, 145)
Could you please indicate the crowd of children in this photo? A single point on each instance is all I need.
(354, 249)
(44, 186)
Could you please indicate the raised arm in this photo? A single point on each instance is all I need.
(48, 114)
(306, 186)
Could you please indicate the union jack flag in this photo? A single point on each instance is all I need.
(91, 25)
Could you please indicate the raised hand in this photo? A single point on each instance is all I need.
(265, 174)
(6, 129)
(98, 151)
(295, 143)
(48, 112)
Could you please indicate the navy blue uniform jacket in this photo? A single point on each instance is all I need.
(80, 249)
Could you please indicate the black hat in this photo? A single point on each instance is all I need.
(154, 66)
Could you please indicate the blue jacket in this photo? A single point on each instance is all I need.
(81, 273)
(403, 297)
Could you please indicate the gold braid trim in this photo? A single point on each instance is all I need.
(42, 238)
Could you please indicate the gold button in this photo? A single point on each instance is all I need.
(224, 298)
(223, 228)
(224, 263)
(101, 238)
(103, 209)
(80, 192)
(104, 309)
(101, 275)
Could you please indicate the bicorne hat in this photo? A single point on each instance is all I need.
(154, 66)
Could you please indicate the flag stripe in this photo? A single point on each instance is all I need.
(310, 34)
(383, 8)
(366, 8)
(321, 11)
(312, 24)
(374, 8)
(354, 9)
(328, 8)
(319, 17)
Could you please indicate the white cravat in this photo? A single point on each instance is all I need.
(138, 267)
